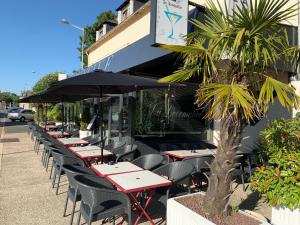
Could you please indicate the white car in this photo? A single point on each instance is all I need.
(21, 114)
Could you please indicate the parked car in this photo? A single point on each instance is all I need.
(21, 114)
(10, 109)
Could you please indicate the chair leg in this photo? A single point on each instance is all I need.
(47, 162)
(79, 217)
(38, 147)
(66, 206)
(129, 218)
(73, 210)
(54, 178)
(250, 170)
(243, 182)
(59, 175)
(51, 169)
(43, 155)
(35, 144)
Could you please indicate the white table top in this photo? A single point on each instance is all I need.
(84, 148)
(72, 141)
(188, 153)
(138, 181)
(93, 154)
(57, 133)
(104, 170)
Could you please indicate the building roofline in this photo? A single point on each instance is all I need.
(122, 5)
(111, 22)
(122, 26)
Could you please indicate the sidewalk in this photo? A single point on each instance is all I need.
(26, 194)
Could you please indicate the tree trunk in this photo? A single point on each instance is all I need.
(220, 182)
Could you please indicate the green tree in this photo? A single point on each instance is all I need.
(236, 57)
(45, 82)
(40, 86)
(9, 97)
(90, 32)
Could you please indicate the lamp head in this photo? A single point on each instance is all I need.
(65, 21)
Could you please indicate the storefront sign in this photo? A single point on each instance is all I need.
(171, 21)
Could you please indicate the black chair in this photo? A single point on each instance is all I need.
(74, 133)
(148, 162)
(73, 194)
(99, 200)
(250, 161)
(60, 159)
(177, 172)
(239, 169)
(125, 153)
(201, 168)
(97, 140)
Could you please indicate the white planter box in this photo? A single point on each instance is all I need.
(285, 216)
(84, 133)
(178, 214)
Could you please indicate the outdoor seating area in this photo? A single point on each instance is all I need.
(180, 113)
(127, 183)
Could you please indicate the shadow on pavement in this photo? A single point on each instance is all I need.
(10, 124)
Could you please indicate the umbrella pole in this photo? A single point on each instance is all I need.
(63, 117)
(45, 116)
(101, 124)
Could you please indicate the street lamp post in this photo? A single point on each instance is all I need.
(65, 21)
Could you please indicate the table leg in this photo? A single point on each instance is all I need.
(142, 209)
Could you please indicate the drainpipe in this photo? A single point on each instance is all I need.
(295, 80)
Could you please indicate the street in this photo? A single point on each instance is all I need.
(11, 127)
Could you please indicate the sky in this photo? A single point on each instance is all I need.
(33, 42)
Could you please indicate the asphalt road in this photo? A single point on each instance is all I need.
(12, 127)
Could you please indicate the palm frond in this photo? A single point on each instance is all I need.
(223, 98)
(285, 93)
(197, 61)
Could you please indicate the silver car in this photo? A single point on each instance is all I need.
(21, 114)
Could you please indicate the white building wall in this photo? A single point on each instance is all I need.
(251, 134)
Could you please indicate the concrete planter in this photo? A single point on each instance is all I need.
(84, 133)
(285, 216)
(178, 214)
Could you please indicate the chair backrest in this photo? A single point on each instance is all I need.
(118, 144)
(175, 171)
(96, 140)
(62, 159)
(149, 161)
(73, 170)
(91, 188)
(200, 163)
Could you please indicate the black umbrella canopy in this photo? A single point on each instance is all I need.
(110, 83)
(100, 82)
(52, 97)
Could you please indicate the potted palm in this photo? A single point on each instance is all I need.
(235, 55)
(84, 121)
(278, 180)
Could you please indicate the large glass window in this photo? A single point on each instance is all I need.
(167, 112)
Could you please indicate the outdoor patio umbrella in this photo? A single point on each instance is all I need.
(48, 97)
(52, 97)
(102, 82)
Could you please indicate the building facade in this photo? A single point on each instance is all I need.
(128, 45)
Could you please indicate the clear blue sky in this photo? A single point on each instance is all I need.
(33, 39)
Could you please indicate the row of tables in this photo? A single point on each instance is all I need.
(125, 176)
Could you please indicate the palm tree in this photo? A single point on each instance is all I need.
(236, 55)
